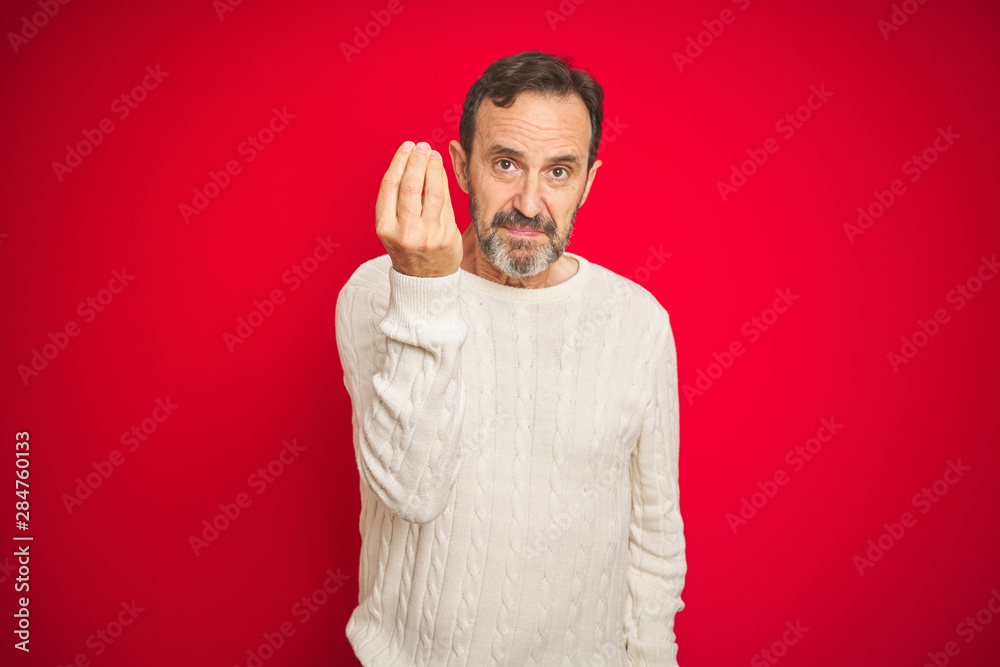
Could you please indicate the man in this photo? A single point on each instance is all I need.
(515, 406)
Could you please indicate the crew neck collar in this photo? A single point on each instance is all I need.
(572, 284)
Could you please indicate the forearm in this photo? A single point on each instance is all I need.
(408, 413)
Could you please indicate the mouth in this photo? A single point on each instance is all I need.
(523, 231)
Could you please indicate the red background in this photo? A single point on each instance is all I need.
(670, 137)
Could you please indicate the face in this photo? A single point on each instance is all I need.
(526, 179)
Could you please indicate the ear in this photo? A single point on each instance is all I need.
(458, 162)
(590, 181)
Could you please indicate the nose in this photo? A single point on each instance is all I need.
(528, 200)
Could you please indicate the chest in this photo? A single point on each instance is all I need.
(569, 390)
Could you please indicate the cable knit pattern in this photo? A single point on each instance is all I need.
(472, 574)
(525, 377)
(518, 459)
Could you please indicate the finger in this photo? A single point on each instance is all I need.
(448, 210)
(433, 199)
(412, 184)
(385, 205)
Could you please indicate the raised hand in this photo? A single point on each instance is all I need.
(414, 217)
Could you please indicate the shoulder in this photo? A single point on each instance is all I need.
(640, 307)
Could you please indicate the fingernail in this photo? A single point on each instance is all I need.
(406, 147)
(435, 155)
(423, 147)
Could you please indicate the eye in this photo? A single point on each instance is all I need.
(564, 172)
(501, 163)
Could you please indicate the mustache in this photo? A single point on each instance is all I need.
(516, 219)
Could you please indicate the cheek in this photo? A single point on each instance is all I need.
(493, 197)
(563, 209)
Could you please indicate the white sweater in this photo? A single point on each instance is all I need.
(518, 453)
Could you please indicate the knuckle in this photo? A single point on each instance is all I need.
(410, 189)
(406, 212)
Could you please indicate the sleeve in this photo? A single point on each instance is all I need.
(657, 563)
(404, 376)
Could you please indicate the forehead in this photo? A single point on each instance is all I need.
(535, 123)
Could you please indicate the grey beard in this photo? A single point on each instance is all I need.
(514, 258)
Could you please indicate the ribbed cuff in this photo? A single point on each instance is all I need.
(424, 309)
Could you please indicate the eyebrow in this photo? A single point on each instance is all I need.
(569, 158)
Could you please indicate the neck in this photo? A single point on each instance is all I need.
(473, 261)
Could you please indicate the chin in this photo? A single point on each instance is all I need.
(506, 261)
